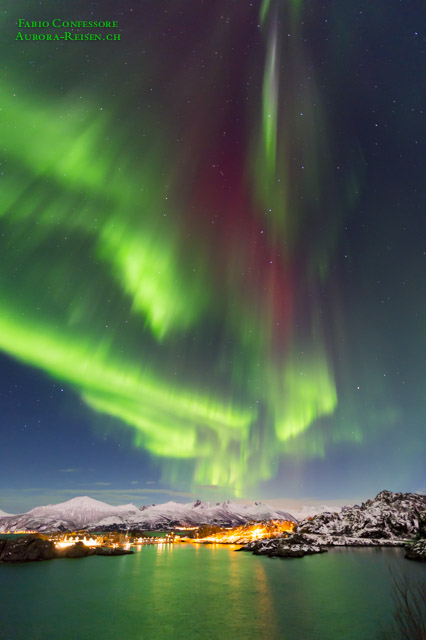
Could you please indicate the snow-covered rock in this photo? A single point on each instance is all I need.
(3, 514)
(87, 513)
(347, 541)
(416, 551)
(386, 520)
(291, 546)
(387, 516)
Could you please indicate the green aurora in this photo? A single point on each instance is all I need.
(210, 342)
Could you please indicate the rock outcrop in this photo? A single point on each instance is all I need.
(26, 549)
(77, 550)
(387, 516)
(348, 541)
(33, 548)
(292, 546)
(416, 551)
(112, 551)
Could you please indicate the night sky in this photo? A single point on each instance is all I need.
(213, 246)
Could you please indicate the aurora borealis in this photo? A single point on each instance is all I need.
(211, 239)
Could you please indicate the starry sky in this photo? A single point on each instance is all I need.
(212, 242)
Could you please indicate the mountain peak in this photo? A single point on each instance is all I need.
(79, 502)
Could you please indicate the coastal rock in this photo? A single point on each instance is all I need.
(26, 549)
(295, 551)
(292, 546)
(416, 551)
(77, 550)
(32, 548)
(112, 551)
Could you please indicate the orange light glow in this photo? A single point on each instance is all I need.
(69, 541)
(249, 532)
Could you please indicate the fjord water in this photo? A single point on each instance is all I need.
(200, 592)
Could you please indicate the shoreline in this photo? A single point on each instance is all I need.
(299, 545)
(32, 548)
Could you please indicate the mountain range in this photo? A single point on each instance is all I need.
(387, 516)
(88, 513)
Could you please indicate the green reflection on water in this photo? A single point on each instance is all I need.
(195, 592)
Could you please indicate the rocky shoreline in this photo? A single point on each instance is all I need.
(388, 520)
(299, 545)
(416, 550)
(32, 549)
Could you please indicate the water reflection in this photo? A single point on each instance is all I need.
(190, 592)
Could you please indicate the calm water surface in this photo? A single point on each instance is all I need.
(197, 592)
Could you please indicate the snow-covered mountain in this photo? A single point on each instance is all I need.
(86, 513)
(4, 514)
(308, 511)
(174, 514)
(387, 516)
(78, 513)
